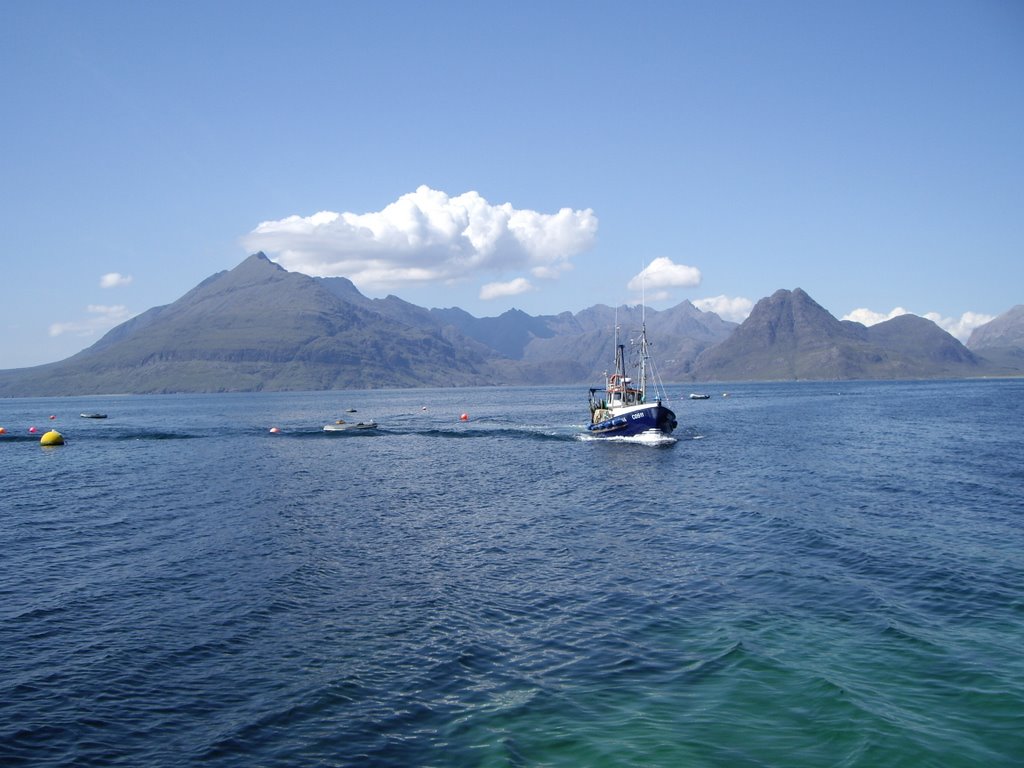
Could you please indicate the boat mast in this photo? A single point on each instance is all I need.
(620, 357)
(643, 338)
(643, 360)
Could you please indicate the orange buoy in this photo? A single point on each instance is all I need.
(3, 431)
(274, 430)
(464, 417)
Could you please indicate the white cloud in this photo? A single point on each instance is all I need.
(114, 279)
(426, 236)
(959, 328)
(734, 308)
(870, 317)
(511, 288)
(103, 319)
(653, 296)
(662, 272)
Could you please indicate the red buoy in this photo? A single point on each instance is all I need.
(464, 417)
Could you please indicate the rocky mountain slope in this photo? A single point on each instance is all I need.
(259, 327)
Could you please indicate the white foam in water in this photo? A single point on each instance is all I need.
(651, 437)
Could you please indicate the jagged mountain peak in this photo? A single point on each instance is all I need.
(790, 317)
(255, 267)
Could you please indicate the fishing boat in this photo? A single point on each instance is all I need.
(93, 415)
(622, 408)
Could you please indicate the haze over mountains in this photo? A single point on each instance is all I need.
(259, 327)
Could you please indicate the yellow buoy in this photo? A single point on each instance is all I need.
(53, 437)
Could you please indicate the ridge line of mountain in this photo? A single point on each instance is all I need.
(259, 327)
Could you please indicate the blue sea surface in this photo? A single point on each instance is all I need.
(812, 574)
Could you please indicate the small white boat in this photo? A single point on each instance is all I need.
(346, 426)
(699, 396)
(93, 415)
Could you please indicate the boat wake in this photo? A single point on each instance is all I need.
(523, 433)
(651, 437)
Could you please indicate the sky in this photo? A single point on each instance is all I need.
(546, 156)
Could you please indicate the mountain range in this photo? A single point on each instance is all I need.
(260, 327)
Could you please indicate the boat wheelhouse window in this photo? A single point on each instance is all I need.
(629, 397)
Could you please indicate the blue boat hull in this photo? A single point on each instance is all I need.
(636, 422)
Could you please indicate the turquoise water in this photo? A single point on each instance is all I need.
(811, 575)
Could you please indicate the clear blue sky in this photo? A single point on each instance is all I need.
(871, 153)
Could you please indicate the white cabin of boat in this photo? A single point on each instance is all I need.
(621, 393)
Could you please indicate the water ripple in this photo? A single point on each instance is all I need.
(817, 580)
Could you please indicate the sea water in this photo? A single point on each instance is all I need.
(811, 574)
